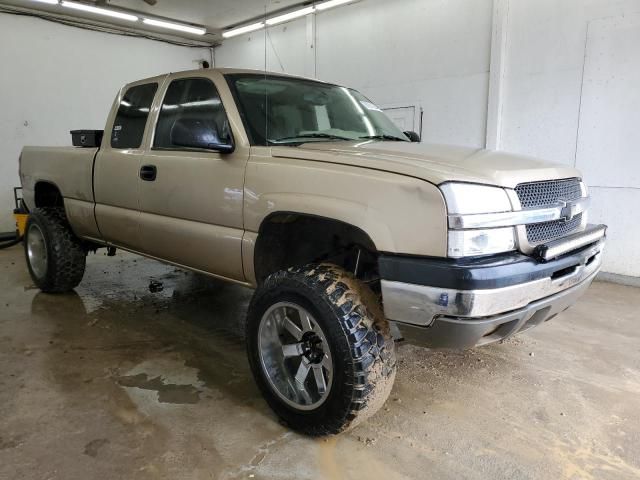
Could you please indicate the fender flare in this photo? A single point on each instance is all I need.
(354, 214)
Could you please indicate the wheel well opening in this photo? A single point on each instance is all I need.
(290, 239)
(47, 195)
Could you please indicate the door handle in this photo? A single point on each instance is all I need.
(148, 173)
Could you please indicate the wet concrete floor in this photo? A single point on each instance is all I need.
(114, 381)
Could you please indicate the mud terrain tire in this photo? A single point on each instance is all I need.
(358, 336)
(55, 256)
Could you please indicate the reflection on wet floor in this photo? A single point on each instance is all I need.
(199, 317)
(117, 380)
(167, 392)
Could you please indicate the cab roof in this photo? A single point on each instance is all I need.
(224, 71)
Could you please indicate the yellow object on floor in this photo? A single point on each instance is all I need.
(21, 222)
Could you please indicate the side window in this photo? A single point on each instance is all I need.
(192, 116)
(131, 118)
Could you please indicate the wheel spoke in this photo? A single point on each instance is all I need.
(277, 316)
(305, 319)
(326, 363)
(292, 350)
(320, 381)
(292, 328)
(303, 371)
(302, 393)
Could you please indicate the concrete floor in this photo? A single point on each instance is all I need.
(117, 382)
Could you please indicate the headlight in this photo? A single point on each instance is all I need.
(470, 199)
(467, 198)
(468, 243)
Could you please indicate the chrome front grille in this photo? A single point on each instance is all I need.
(543, 194)
(543, 232)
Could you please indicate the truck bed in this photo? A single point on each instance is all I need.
(70, 169)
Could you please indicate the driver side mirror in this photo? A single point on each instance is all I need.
(199, 133)
(413, 136)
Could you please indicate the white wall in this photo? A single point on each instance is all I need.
(429, 53)
(554, 96)
(572, 95)
(55, 78)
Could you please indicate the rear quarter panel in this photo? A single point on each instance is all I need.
(70, 169)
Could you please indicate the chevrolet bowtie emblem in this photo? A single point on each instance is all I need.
(568, 211)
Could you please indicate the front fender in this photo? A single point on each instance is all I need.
(400, 214)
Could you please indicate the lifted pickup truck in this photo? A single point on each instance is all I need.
(350, 232)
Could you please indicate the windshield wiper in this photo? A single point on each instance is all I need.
(384, 137)
(312, 135)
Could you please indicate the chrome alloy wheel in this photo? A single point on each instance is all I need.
(295, 356)
(37, 251)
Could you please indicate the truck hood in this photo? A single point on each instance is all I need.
(431, 162)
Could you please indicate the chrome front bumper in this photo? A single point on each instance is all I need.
(438, 317)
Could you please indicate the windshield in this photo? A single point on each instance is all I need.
(290, 111)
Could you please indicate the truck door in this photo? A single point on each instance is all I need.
(117, 166)
(191, 197)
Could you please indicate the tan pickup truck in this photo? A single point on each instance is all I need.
(352, 232)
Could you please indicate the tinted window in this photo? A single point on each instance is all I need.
(192, 116)
(133, 111)
(285, 110)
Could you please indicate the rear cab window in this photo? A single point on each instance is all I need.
(191, 116)
(131, 119)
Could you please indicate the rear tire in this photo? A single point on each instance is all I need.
(55, 256)
(345, 328)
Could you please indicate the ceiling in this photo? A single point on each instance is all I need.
(215, 15)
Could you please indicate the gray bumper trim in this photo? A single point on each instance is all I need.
(462, 333)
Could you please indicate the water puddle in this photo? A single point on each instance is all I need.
(173, 381)
(167, 392)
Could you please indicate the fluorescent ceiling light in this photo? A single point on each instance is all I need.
(284, 17)
(290, 16)
(100, 11)
(52, 2)
(331, 3)
(174, 26)
(240, 30)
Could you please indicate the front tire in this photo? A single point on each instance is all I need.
(320, 348)
(55, 256)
